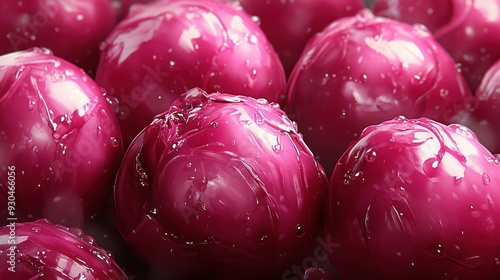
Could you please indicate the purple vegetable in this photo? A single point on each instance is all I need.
(468, 29)
(72, 29)
(415, 199)
(220, 186)
(483, 116)
(363, 70)
(165, 48)
(60, 143)
(290, 24)
(40, 249)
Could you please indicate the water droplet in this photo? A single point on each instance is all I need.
(430, 167)
(343, 114)
(416, 79)
(35, 229)
(444, 93)
(437, 251)
(153, 211)
(259, 117)
(79, 17)
(99, 130)
(233, 142)
(114, 142)
(370, 155)
(486, 179)
(497, 261)
(364, 77)
(299, 231)
(264, 239)
(278, 148)
(31, 103)
(256, 19)
(254, 73)
(214, 124)
(459, 180)
(189, 165)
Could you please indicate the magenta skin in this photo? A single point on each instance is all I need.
(165, 48)
(317, 273)
(58, 135)
(415, 199)
(468, 29)
(290, 24)
(363, 70)
(483, 115)
(218, 186)
(433, 14)
(43, 250)
(122, 7)
(71, 29)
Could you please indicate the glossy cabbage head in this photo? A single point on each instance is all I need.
(483, 114)
(218, 186)
(415, 199)
(60, 142)
(468, 30)
(72, 29)
(290, 24)
(41, 249)
(165, 48)
(363, 70)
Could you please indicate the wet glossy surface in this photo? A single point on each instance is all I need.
(468, 29)
(290, 24)
(47, 251)
(163, 49)
(316, 273)
(59, 134)
(218, 186)
(483, 116)
(363, 70)
(72, 29)
(414, 199)
(432, 13)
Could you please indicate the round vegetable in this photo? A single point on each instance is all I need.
(165, 48)
(363, 70)
(218, 186)
(290, 24)
(72, 29)
(40, 249)
(475, 24)
(415, 199)
(60, 143)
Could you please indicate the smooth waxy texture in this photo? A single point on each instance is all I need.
(43, 250)
(433, 14)
(220, 185)
(72, 29)
(165, 48)
(290, 24)
(59, 137)
(415, 199)
(363, 70)
(468, 29)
